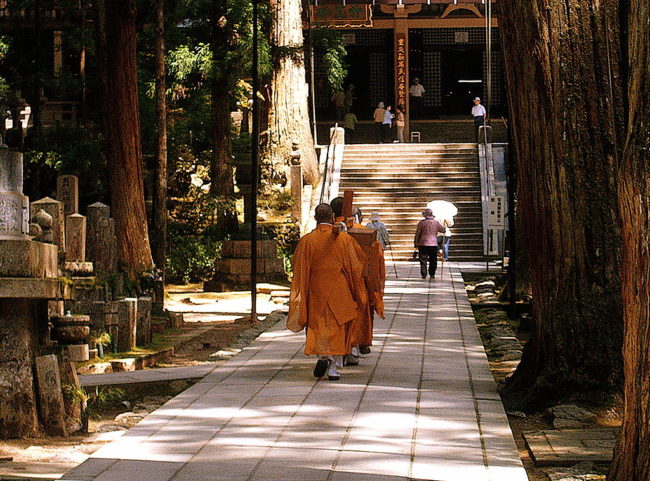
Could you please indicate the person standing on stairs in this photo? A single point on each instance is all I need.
(426, 242)
(378, 119)
(479, 114)
(416, 93)
(387, 125)
(338, 99)
(350, 122)
(328, 292)
(400, 122)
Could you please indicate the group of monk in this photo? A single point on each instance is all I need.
(337, 287)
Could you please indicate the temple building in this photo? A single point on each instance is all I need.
(452, 48)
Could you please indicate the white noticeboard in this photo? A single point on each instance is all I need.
(496, 213)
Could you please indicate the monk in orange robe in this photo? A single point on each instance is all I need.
(327, 292)
(374, 279)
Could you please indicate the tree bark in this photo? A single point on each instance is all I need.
(632, 455)
(123, 149)
(221, 165)
(567, 126)
(289, 112)
(159, 217)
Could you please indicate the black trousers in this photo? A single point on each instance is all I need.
(379, 132)
(386, 133)
(428, 254)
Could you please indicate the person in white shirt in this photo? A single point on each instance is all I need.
(479, 114)
(417, 97)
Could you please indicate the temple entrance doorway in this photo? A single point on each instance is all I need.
(461, 79)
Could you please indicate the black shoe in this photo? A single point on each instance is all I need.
(350, 360)
(364, 350)
(321, 368)
(333, 378)
(424, 277)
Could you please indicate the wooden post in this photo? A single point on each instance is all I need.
(348, 197)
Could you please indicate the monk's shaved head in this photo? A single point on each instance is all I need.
(324, 214)
(337, 206)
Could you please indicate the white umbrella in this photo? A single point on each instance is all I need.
(442, 209)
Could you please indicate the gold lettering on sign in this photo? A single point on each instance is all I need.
(400, 69)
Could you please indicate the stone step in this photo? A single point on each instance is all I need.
(398, 182)
(425, 183)
(407, 158)
(410, 174)
(409, 147)
(400, 161)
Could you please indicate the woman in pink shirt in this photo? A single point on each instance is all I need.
(426, 242)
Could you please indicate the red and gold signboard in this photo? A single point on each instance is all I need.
(337, 15)
(401, 66)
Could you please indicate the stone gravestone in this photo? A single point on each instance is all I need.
(14, 206)
(95, 212)
(67, 191)
(72, 404)
(104, 247)
(18, 417)
(75, 238)
(55, 209)
(127, 314)
(143, 331)
(50, 395)
(102, 315)
(111, 321)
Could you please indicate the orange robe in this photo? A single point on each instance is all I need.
(327, 290)
(374, 279)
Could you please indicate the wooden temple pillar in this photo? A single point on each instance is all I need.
(400, 14)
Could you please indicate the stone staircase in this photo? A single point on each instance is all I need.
(398, 180)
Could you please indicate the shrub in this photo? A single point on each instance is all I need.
(192, 255)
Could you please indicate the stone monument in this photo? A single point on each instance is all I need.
(29, 277)
(67, 191)
(14, 206)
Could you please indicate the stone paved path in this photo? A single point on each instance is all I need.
(422, 406)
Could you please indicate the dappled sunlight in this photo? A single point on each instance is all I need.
(407, 411)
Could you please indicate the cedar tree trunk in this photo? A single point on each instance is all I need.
(563, 74)
(289, 112)
(122, 125)
(221, 169)
(632, 455)
(159, 214)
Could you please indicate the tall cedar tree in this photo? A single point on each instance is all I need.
(632, 456)
(288, 111)
(159, 214)
(221, 169)
(122, 127)
(567, 123)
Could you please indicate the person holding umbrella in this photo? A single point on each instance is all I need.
(426, 242)
(444, 212)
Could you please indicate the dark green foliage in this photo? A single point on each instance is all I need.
(192, 255)
(67, 150)
(330, 43)
(4, 48)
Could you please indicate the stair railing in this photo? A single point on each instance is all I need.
(330, 164)
(486, 163)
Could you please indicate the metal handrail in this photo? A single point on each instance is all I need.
(329, 166)
(487, 180)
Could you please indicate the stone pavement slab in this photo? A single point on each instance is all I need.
(421, 406)
(567, 447)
